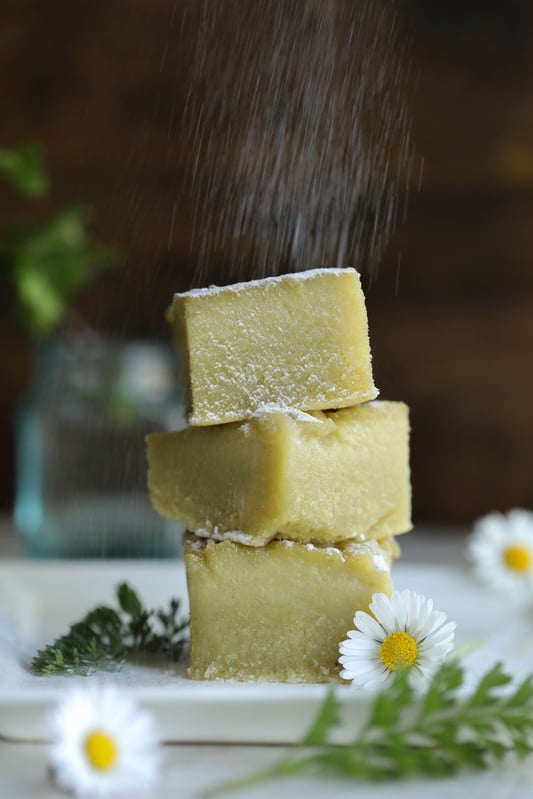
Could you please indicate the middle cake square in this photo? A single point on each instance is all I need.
(315, 478)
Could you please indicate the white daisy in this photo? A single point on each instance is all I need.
(403, 633)
(501, 548)
(102, 744)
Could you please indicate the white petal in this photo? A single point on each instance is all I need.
(418, 679)
(521, 521)
(421, 621)
(404, 603)
(432, 629)
(360, 647)
(371, 678)
(446, 632)
(382, 609)
(378, 680)
(369, 626)
(357, 635)
(358, 666)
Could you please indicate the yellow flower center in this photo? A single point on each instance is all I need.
(101, 750)
(518, 558)
(398, 651)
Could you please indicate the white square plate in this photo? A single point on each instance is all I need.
(39, 600)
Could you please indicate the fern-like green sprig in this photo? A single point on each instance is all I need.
(434, 734)
(106, 636)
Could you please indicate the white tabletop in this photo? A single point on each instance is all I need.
(190, 769)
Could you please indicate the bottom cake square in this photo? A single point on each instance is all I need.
(278, 613)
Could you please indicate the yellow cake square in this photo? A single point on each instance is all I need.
(278, 613)
(320, 477)
(298, 340)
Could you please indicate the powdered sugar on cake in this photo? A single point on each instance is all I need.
(266, 281)
(217, 534)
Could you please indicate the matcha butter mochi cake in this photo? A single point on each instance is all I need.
(291, 478)
(297, 341)
(315, 478)
(278, 612)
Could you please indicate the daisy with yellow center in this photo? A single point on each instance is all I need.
(102, 744)
(501, 549)
(403, 633)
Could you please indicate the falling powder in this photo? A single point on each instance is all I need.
(299, 121)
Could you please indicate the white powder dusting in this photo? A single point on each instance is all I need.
(256, 402)
(235, 288)
(297, 415)
(286, 542)
(373, 549)
(327, 549)
(369, 548)
(216, 534)
(197, 544)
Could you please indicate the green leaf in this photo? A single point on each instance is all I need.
(349, 761)
(46, 261)
(128, 600)
(106, 636)
(486, 691)
(522, 696)
(24, 168)
(44, 306)
(50, 263)
(443, 687)
(390, 703)
(408, 735)
(326, 719)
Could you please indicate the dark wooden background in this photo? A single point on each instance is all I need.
(102, 87)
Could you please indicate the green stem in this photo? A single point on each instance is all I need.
(284, 768)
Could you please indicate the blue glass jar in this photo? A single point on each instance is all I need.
(81, 465)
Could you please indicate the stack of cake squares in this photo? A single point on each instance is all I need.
(292, 480)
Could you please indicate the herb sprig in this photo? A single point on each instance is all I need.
(408, 735)
(106, 636)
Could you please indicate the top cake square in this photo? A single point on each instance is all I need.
(295, 341)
